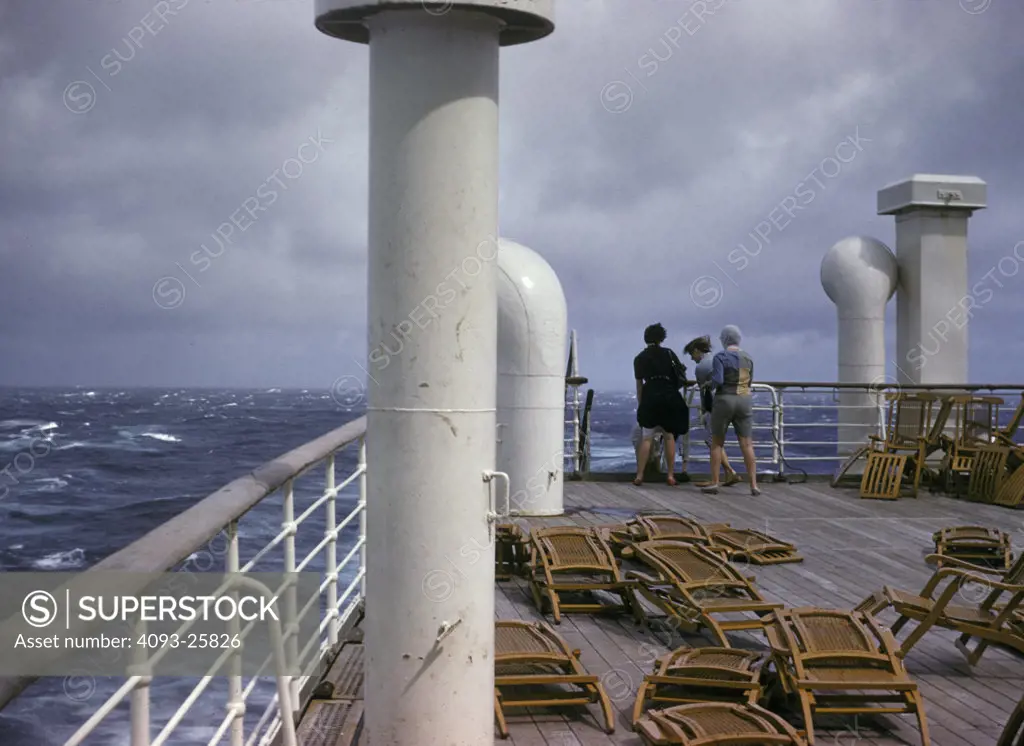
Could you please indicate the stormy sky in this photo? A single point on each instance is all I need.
(642, 143)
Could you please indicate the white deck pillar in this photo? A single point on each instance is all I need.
(933, 304)
(432, 338)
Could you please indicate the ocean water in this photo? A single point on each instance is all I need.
(86, 472)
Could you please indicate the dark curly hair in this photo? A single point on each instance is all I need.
(655, 334)
(698, 344)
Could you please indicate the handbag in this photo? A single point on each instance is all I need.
(678, 370)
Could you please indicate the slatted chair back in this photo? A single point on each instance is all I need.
(939, 422)
(908, 418)
(670, 527)
(1010, 431)
(987, 473)
(980, 419)
(689, 563)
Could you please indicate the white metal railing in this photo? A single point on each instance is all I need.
(224, 513)
(766, 450)
(575, 458)
(796, 424)
(800, 401)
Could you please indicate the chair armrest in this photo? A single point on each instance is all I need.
(636, 575)
(974, 578)
(932, 559)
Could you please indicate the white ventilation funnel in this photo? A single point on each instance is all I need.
(532, 334)
(860, 275)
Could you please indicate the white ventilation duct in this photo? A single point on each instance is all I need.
(532, 334)
(860, 275)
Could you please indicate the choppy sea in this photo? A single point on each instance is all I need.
(87, 472)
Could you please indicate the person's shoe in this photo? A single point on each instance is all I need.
(638, 482)
(755, 492)
(711, 489)
(683, 477)
(703, 484)
(671, 481)
(732, 479)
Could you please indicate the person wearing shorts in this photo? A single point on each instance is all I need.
(699, 350)
(660, 407)
(732, 373)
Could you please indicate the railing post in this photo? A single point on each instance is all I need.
(291, 597)
(362, 515)
(236, 700)
(780, 432)
(331, 534)
(140, 722)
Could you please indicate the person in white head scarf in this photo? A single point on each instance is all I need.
(732, 373)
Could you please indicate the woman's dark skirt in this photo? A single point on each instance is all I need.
(665, 409)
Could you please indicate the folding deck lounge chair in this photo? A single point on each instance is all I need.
(714, 723)
(841, 662)
(531, 654)
(991, 478)
(1013, 733)
(651, 526)
(976, 425)
(897, 463)
(510, 551)
(698, 589)
(998, 618)
(741, 544)
(913, 430)
(573, 559)
(1007, 435)
(748, 545)
(973, 544)
(689, 675)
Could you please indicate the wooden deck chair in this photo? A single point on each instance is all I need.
(531, 654)
(1013, 733)
(574, 559)
(689, 675)
(992, 479)
(652, 526)
(698, 589)
(905, 420)
(976, 418)
(755, 547)
(998, 618)
(510, 551)
(904, 452)
(1007, 435)
(716, 724)
(841, 662)
(914, 427)
(973, 544)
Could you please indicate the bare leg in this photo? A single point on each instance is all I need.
(669, 445)
(643, 453)
(749, 460)
(725, 463)
(717, 451)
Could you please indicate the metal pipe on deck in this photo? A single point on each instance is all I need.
(432, 338)
(859, 274)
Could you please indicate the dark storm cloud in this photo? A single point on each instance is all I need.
(639, 154)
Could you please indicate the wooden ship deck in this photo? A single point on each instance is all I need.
(851, 548)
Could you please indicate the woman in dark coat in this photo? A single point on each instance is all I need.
(660, 406)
